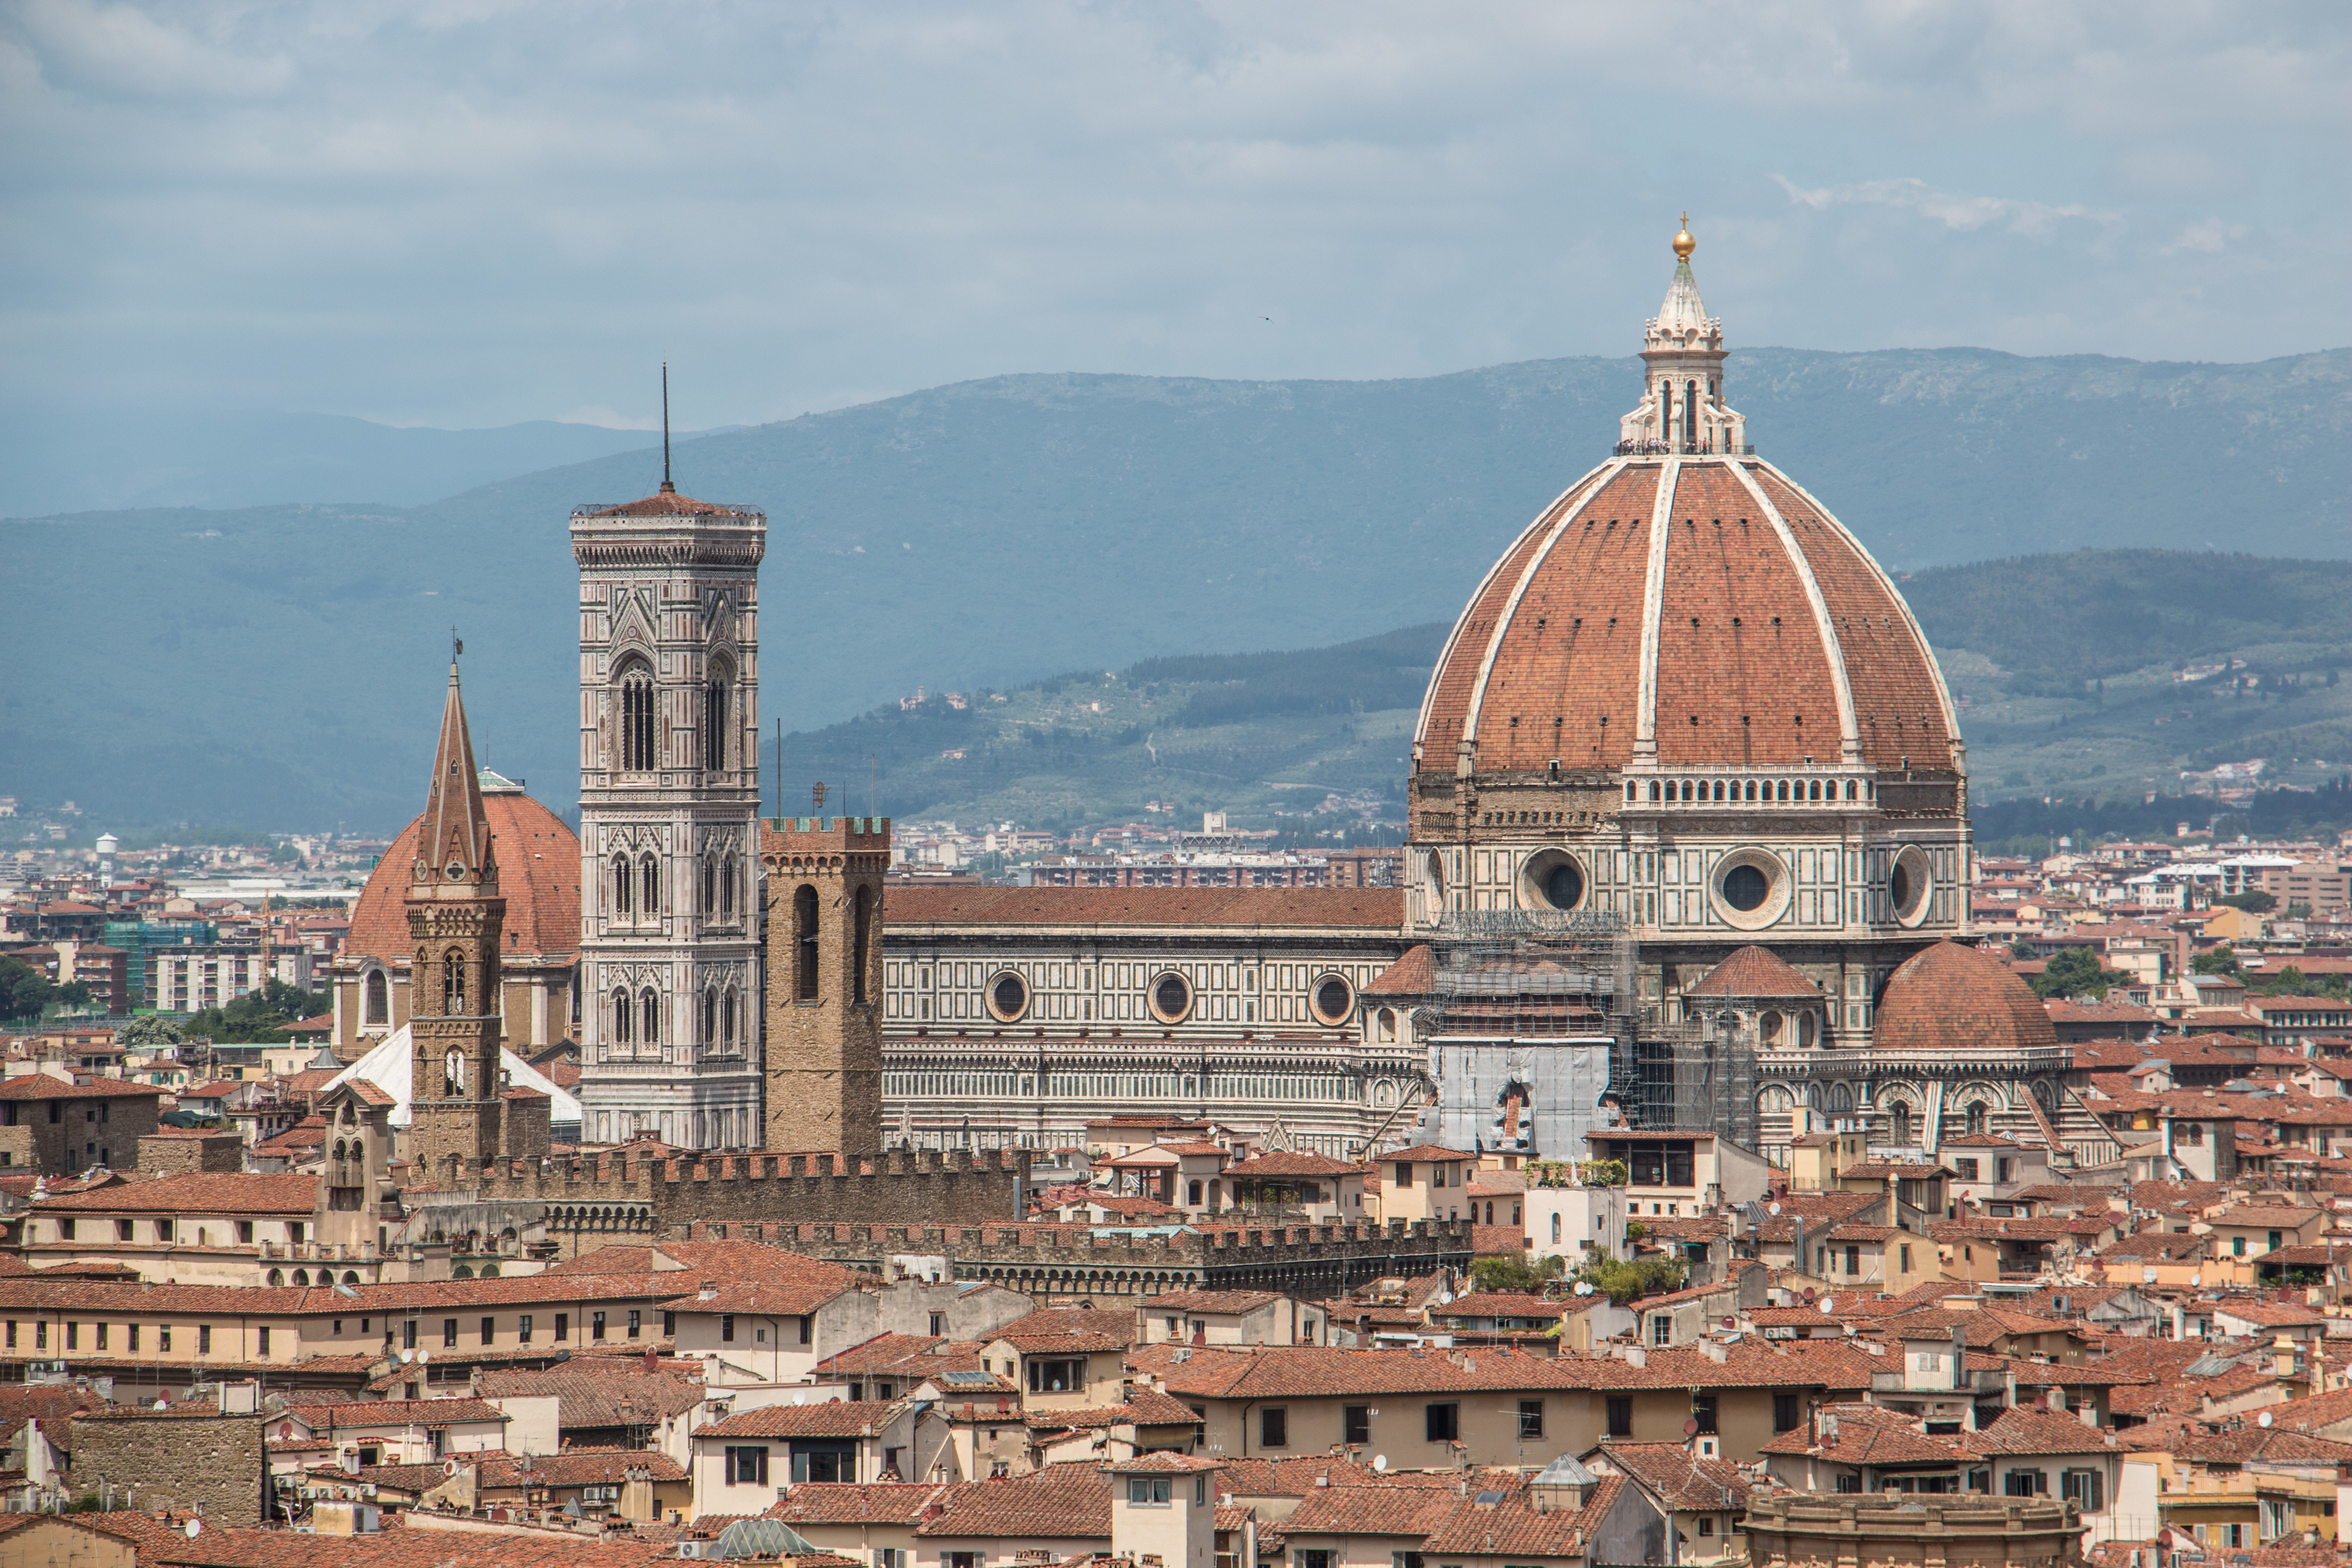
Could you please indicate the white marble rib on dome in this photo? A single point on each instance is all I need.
(391, 1068)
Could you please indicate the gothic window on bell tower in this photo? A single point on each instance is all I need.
(624, 1015)
(716, 712)
(650, 1015)
(452, 964)
(728, 875)
(649, 886)
(621, 900)
(804, 943)
(636, 718)
(452, 1074)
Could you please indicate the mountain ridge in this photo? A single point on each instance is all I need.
(177, 662)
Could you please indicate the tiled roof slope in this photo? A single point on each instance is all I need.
(539, 876)
(1953, 997)
(1376, 908)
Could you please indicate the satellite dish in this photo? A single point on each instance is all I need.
(449, 1466)
(1829, 1303)
(1584, 1286)
(2263, 1419)
(407, 1356)
(800, 1399)
(1380, 1461)
(1808, 1295)
(162, 1405)
(1772, 1208)
(426, 1354)
(2195, 1280)
(195, 1528)
(1446, 1297)
(1690, 1427)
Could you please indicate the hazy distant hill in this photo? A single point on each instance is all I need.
(56, 462)
(283, 663)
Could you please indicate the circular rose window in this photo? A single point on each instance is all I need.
(1008, 996)
(1171, 998)
(1333, 999)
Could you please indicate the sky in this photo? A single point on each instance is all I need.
(466, 213)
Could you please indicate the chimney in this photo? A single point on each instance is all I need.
(710, 1291)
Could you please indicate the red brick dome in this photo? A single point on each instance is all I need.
(539, 874)
(1708, 602)
(1950, 997)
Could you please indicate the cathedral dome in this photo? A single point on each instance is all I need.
(1686, 605)
(539, 875)
(1950, 997)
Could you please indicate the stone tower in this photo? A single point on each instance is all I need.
(669, 814)
(456, 921)
(824, 914)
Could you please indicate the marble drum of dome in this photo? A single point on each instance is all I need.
(1687, 698)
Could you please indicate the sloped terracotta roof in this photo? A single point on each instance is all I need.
(1753, 971)
(1363, 908)
(1414, 975)
(1949, 997)
(539, 876)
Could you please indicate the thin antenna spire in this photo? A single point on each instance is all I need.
(667, 489)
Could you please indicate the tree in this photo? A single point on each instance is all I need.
(149, 1030)
(2220, 960)
(25, 991)
(75, 993)
(259, 1017)
(2254, 903)
(2076, 972)
(1503, 1273)
(1623, 1282)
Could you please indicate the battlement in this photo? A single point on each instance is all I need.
(825, 835)
(626, 1190)
(1063, 1261)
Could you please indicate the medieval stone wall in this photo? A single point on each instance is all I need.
(630, 1199)
(190, 1153)
(200, 1462)
(1067, 1262)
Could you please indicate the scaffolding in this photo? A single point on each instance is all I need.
(1524, 1046)
(1539, 1038)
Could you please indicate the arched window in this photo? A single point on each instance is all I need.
(1899, 1120)
(728, 876)
(709, 886)
(1784, 789)
(649, 896)
(709, 1015)
(861, 928)
(452, 1074)
(1849, 789)
(716, 712)
(1555, 1230)
(623, 1016)
(1817, 789)
(636, 718)
(650, 1016)
(728, 1013)
(453, 968)
(804, 943)
(1976, 1115)
(622, 886)
(378, 993)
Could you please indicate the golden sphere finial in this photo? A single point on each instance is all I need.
(1684, 243)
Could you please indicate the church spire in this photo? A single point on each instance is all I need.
(455, 844)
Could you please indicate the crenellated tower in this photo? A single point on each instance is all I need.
(824, 981)
(457, 922)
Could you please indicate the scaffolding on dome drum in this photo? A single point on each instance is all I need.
(1539, 1038)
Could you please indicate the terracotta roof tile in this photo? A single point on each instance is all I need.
(539, 876)
(1753, 971)
(1950, 997)
(1379, 908)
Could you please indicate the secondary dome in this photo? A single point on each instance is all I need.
(539, 874)
(1950, 997)
(1686, 605)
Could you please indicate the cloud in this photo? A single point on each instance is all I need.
(2208, 236)
(121, 48)
(1953, 211)
(473, 212)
